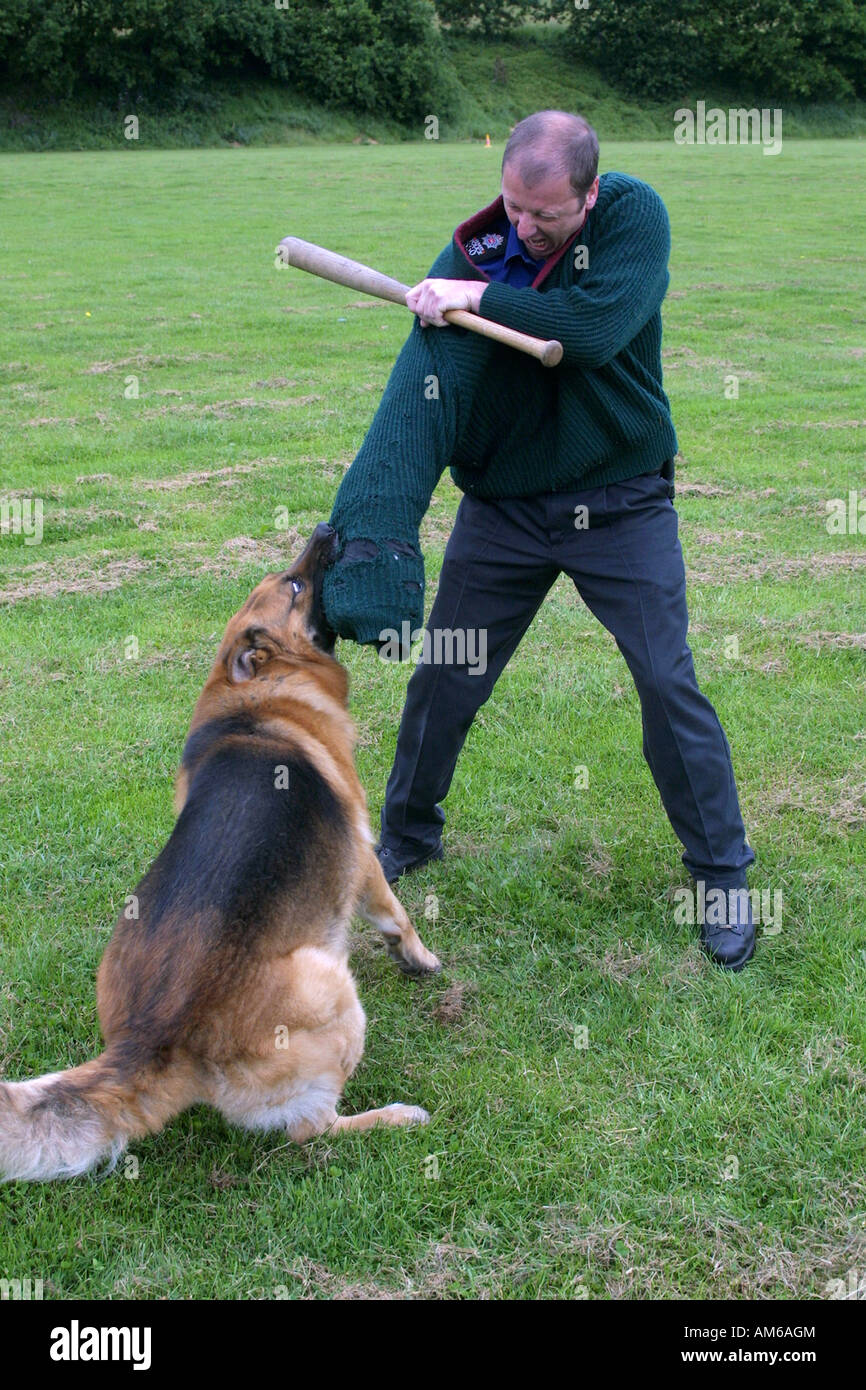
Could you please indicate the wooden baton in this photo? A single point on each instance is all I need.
(306, 255)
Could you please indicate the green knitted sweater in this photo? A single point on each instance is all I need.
(505, 425)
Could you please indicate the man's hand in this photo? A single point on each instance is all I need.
(431, 298)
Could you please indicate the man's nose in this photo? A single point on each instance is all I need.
(526, 228)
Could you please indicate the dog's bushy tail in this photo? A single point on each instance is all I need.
(65, 1123)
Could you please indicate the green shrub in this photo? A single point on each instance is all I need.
(784, 49)
(377, 56)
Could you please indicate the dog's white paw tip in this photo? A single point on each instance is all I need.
(410, 1114)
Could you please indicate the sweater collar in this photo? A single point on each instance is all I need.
(494, 212)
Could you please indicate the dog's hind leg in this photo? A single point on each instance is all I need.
(394, 1114)
(301, 1131)
(305, 1038)
(379, 906)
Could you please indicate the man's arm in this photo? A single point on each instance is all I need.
(621, 288)
(384, 496)
(378, 580)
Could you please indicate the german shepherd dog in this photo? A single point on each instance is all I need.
(226, 980)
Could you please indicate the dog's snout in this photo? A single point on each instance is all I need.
(319, 552)
(325, 538)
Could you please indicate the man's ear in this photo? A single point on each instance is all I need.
(245, 657)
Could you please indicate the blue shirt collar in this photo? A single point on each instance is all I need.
(515, 247)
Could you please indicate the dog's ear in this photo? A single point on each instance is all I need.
(247, 655)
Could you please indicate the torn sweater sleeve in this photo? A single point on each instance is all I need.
(377, 582)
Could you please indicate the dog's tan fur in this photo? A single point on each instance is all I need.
(235, 994)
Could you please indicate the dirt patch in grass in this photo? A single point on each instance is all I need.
(772, 425)
(41, 420)
(621, 962)
(222, 1181)
(242, 550)
(308, 1279)
(205, 475)
(67, 516)
(143, 361)
(765, 1265)
(46, 493)
(79, 575)
(838, 640)
(687, 488)
(773, 666)
(702, 537)
(715, 489)
(683, 356)
(739, 1260)
(739, 569)
(450, 1006)
(598, 862)
(223, 410)
(436, 1271)
(702, 489)
(562, 1229)
(840, 804)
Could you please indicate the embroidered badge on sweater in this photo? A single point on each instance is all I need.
(479, 246)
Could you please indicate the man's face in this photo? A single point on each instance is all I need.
(546, 215)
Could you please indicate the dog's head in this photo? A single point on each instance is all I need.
(283, 619)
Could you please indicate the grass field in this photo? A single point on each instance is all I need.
(164, 390)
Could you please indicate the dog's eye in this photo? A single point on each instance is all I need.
(297, 585)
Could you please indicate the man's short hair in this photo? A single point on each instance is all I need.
(548, 144)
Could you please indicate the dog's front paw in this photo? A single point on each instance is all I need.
(415, 963)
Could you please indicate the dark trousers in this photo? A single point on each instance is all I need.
(501, 559)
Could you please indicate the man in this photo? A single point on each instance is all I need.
(567, 469)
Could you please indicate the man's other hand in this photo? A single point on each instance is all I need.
(430, 299)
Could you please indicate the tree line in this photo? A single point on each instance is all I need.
(390, 57)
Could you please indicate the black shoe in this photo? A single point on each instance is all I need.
(731, 941)
(393, 864)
